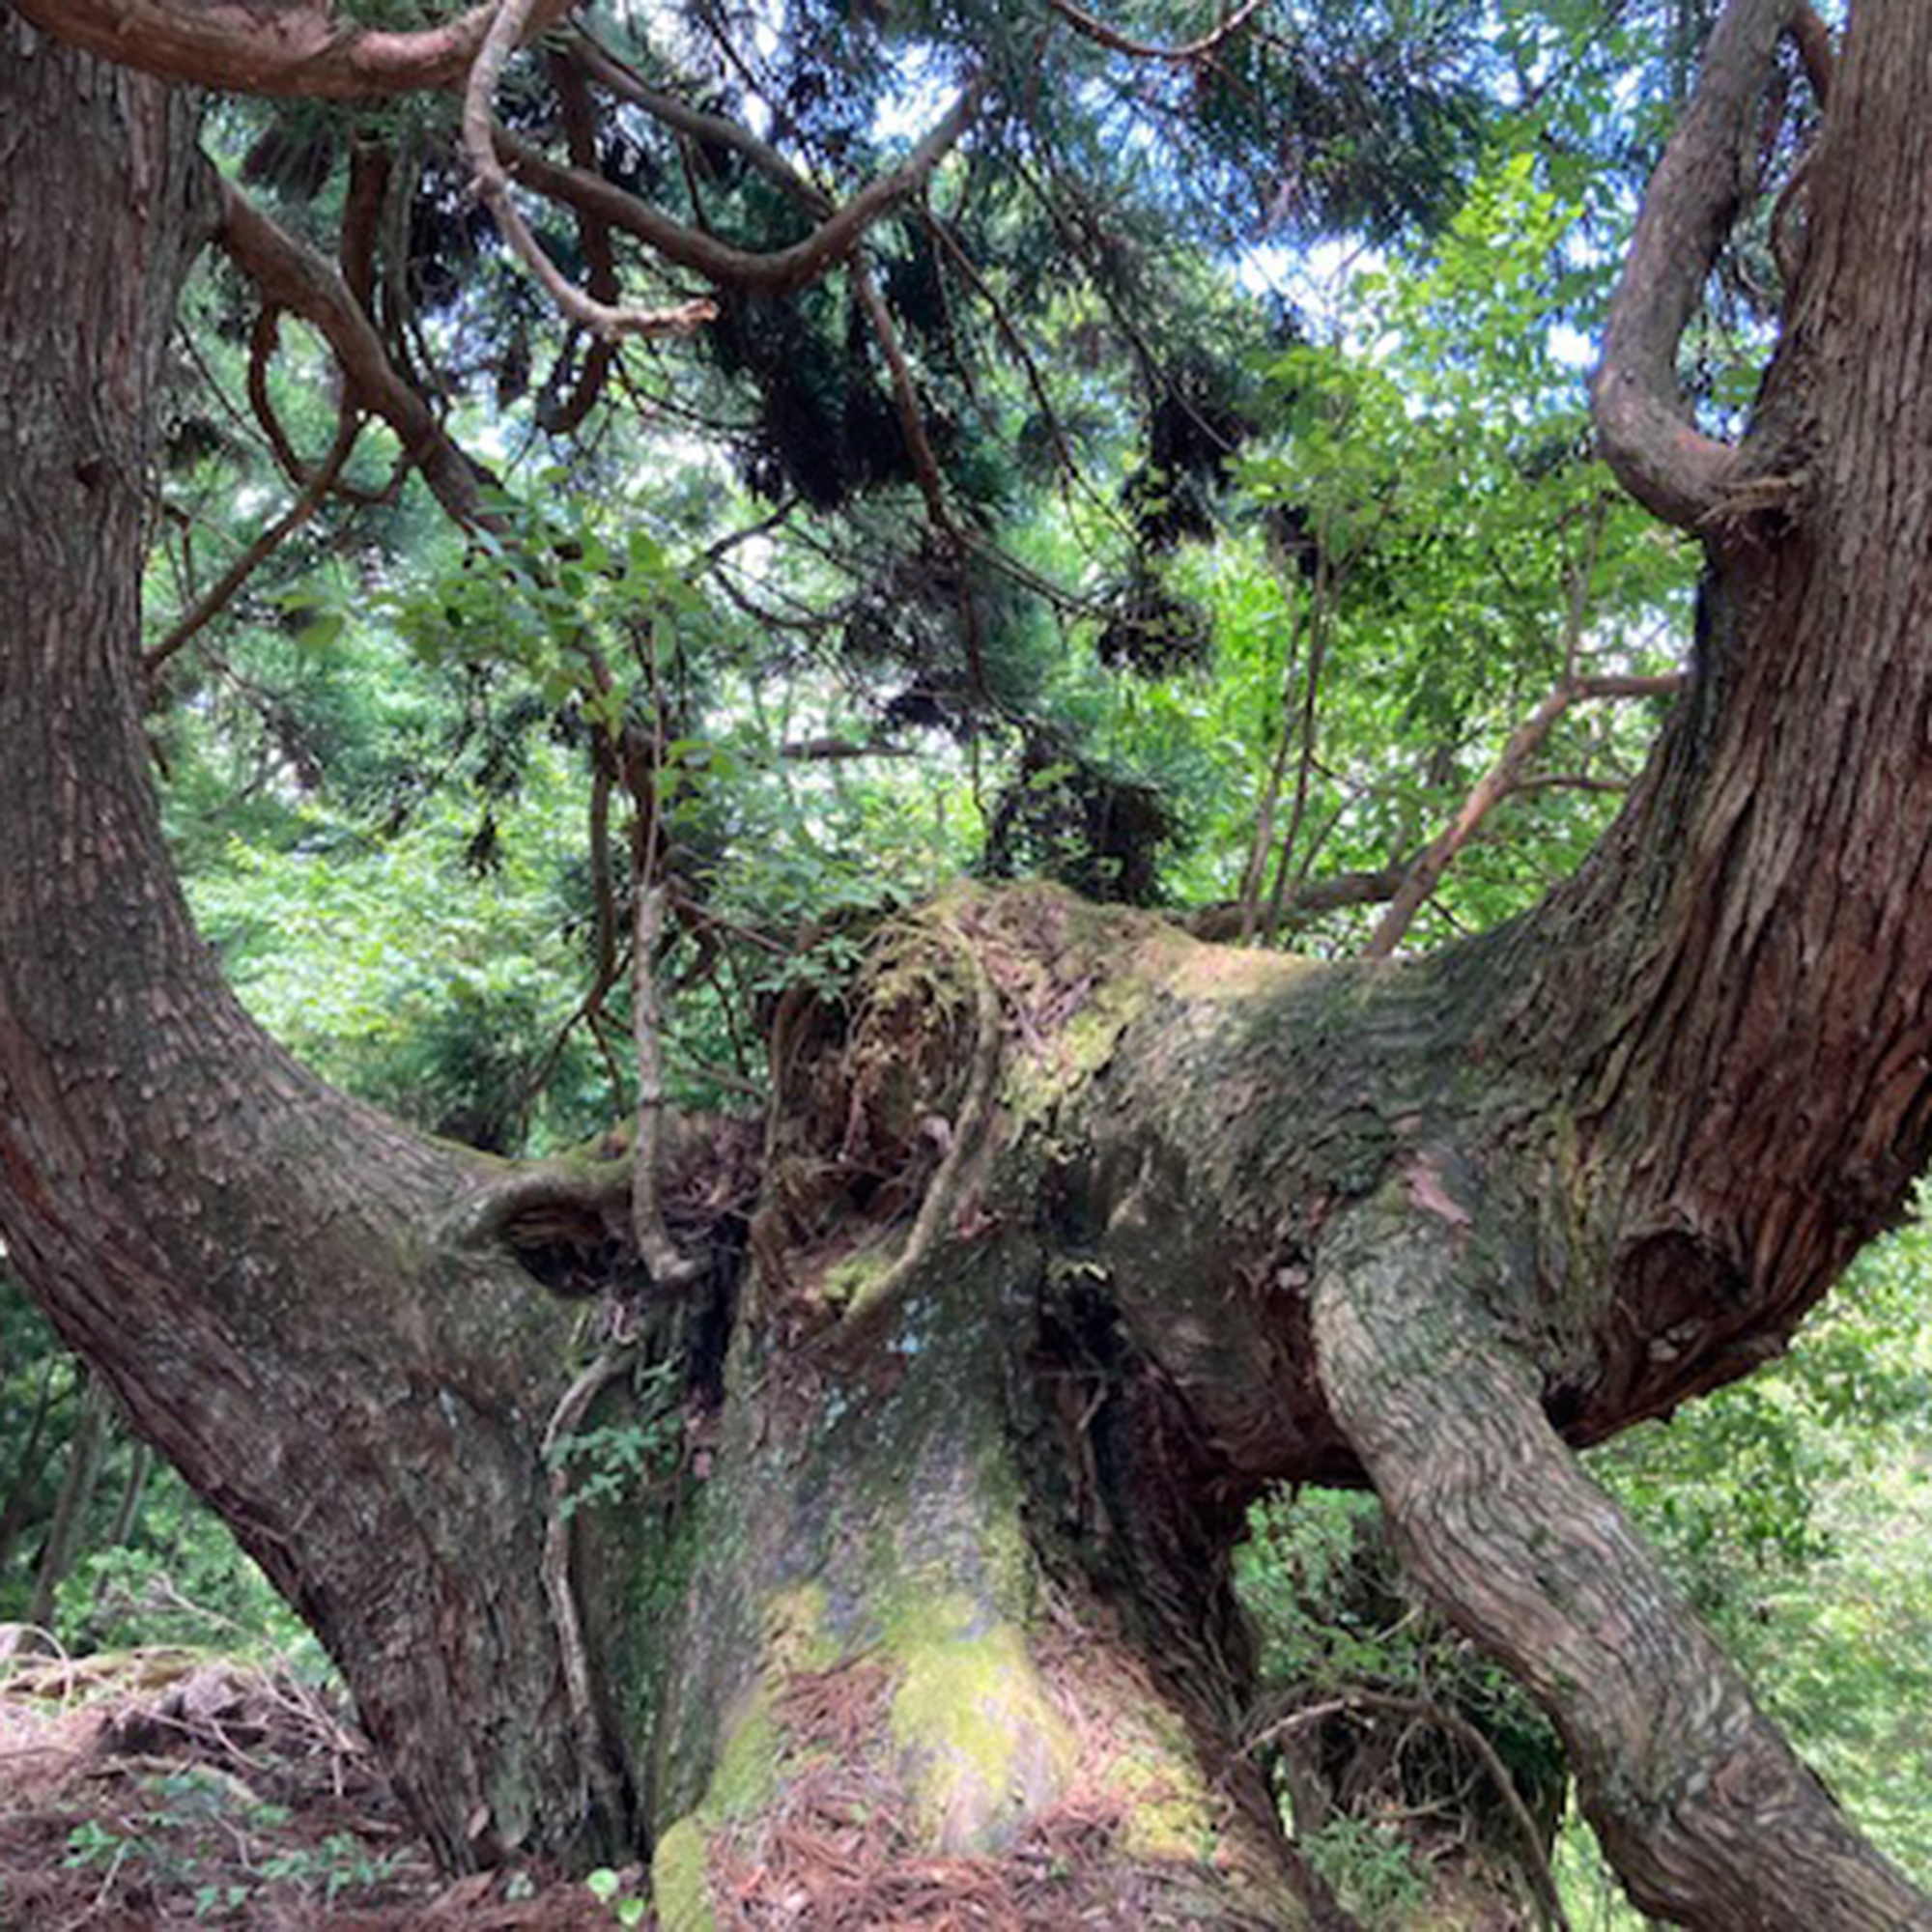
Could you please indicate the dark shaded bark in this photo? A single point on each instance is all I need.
(255, 1264)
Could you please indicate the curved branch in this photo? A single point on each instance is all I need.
(1647, 438)
(1194, 50)
(293, 276)
(604, 320)
(302, 48)
(1708, 1816)
(718, 262)
(560, 415)
(605, 67)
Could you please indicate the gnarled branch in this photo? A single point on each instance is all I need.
(304, 48)
(1686, 1781)
(1647, 437)
(718, 262)
(293, 276)
(605, 320)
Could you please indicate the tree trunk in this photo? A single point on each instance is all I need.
(940, 1647)
(899, 1567)
(272, 1279)
(86, 1447)
(30, 1463)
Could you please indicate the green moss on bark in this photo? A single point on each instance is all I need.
(980, 1748)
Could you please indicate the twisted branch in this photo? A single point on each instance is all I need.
(1647, 437)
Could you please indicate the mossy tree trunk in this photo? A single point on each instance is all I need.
(1071, 1234)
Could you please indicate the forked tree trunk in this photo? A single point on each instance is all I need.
(917, 1566)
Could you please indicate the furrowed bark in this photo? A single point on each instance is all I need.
(1709, 1818)
(1688, 209)
(251, 1260)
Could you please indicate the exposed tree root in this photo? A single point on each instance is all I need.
(560, 1591)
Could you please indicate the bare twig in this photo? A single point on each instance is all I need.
(712, 130)
(219, 594)
(925, 465)
(1502, 778)
(912, 419)
(562, 416)
(1427, 1711)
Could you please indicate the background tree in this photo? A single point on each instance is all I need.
(1064, 1234)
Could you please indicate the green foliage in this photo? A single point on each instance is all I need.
(195, 1820)
(613, 1461)
(1360, 1692)
(184, 1581)
(612, 1889)
(1375, 1874)
(1233, 596)
(177, 1577)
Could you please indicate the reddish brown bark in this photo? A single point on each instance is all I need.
(255, 1264)
(304, 48)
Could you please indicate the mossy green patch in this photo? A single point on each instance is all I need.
(795, 1634)
(681, 1880)
(848, 1284)
(748, 1768)
(981, 1748)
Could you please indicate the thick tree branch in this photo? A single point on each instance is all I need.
(605, 320)
(1224, 922)
(1686, 1782)
(560, 415)
(718, 262)
(302, 48)
(1647, 437)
